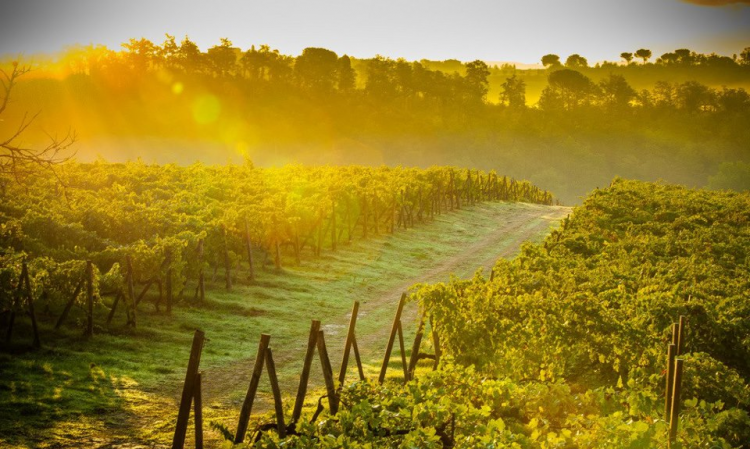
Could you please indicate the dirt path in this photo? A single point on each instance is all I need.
(512, 229)
(503, 242)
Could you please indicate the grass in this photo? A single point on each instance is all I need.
(124, 384)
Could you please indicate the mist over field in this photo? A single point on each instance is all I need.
(569, 127)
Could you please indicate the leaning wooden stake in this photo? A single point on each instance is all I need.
(351, 342)
(70, 303)
(305, 376)
(188, 390)
(670, 380)
(247, 405)
(333, 403)
(415, 348)
(392, 338)
(675, 412)
(278, 406)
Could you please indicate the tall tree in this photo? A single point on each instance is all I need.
(550, 60)
(139, 54)
(644, 54)
(190, 57)
(628, 57)
(514, 92)
(346, 75)
(223, 57)
(616, 93)
(567, 89)
(476, 78)
(575, 61)
(316, 69)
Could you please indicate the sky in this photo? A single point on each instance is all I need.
(492, 30)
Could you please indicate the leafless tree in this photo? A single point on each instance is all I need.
(16, 160)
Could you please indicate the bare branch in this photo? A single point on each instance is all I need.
(17, 160)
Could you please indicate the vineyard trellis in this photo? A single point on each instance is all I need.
(191, 395)
(179, 225)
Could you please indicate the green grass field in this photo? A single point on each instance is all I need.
(121, 389)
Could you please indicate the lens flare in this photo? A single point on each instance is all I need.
(206, 109)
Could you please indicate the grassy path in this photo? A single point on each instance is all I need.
(122, 389)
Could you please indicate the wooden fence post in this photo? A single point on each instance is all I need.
(681, 329)
(670, 380)
(304, 377)
(415, 348)
(278, 406)
(70, 303)
(247, 405)
(333, 403)
(351, 342)
(675, 411)
(188, 390)
(391, 339)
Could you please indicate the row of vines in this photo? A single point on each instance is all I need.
(565, 346)
(176, 228)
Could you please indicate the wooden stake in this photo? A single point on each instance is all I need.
(403, 352)
(333, 403)
(358, 359)
(681, 335)
(675, 410)
(392, 338)
(70, 303)
(247, 405)
(348, 344)
(670, 379)
(415, 348)
(144, 291)
(14, 304)
(188, 389)
(114, 306)
(304, 377)
(278, 406)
